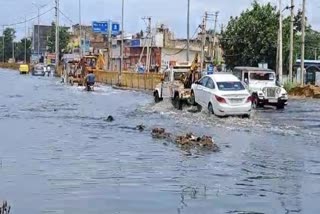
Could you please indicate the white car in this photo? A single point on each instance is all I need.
(223, 94)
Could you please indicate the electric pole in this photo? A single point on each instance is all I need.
(13, 56)
(122, 42)
(25, 40)
(303, 26)
(3, 45)
(188, 32)
(291, 42)
(57, 34)
(39, 34)
(80, 29)
(204, 36)
(280, 43)
(214, 35)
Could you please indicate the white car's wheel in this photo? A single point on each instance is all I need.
(210, 108)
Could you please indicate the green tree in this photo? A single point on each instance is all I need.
(64, 38)
(252, 37)
(9, 36)
(20, 50)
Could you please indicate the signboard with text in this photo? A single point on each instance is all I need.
(103, 27)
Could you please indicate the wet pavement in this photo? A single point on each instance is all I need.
(58, 154)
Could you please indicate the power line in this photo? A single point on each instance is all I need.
(184, 48)
(28, 20)
(65, 16)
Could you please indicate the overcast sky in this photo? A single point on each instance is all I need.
(170, 12)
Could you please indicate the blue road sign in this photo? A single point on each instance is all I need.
(135, 43)
(115, 30)
(100, 27)
(210, 69)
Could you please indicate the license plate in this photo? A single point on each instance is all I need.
(273, 100)
(235, 100)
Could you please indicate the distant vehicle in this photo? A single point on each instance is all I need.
(263, 86)
(223, 94)
(39, 70)
(177, 83)
(24, 69)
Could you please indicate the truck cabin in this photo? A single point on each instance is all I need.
(177, 72)
(248, 74)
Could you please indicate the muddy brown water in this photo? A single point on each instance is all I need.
(59, 155)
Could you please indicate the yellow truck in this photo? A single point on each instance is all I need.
(24, 69)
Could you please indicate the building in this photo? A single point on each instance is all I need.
(40, 39)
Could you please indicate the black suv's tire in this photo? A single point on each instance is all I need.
(280, 106)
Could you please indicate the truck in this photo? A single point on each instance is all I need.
(263, 86)
(176, 84)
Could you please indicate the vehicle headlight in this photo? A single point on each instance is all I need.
(264, 90)
(278, 90)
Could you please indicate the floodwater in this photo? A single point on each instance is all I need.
(59, 155)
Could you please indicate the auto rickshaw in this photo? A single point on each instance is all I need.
(24, 69)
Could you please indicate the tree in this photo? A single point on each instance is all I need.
(9, 36)
(252, 37)
(20, 50)
(63, 39)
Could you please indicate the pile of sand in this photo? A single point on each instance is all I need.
(311, 91)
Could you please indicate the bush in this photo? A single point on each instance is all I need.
(290, 85)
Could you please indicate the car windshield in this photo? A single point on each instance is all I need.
(230, 86)
(262, 76)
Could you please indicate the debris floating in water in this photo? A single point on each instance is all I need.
(109, 119)
(188, 141)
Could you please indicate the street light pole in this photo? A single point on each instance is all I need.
(25, 41)
(39, 33)
(303, 25)
(122, 41)
(57, 35)
(280, 43)
(291, 42)
(188, 31)
(3, 45)
(80, 29)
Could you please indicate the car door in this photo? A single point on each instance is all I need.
(208, 91)
(199, 90)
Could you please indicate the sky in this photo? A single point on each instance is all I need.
(172, 13)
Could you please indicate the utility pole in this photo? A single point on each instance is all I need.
(80, 29)
(122, 42)
(13, 54)
(280, 43)
(188, 31)
(3, 45)
(303, 25)
(25, 40)
(291, 42)
(110, 45)
(39, 33)
(204, 36)
(148, 40)
(214, 35)
(57, 34)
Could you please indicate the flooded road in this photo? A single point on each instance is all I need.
(59, 155)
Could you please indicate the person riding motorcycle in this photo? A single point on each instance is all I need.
(90, 80)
